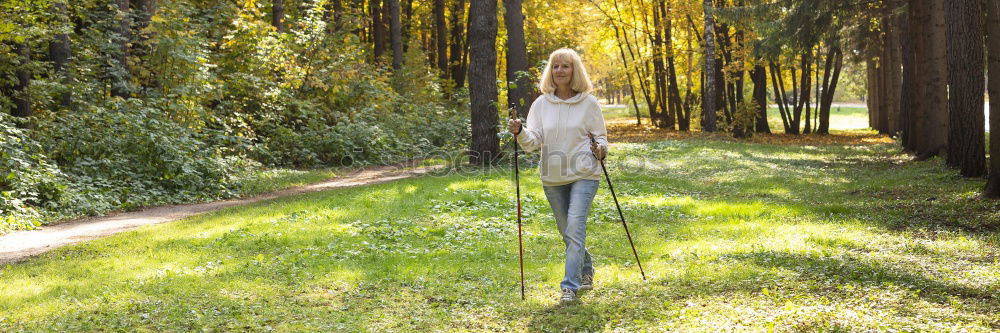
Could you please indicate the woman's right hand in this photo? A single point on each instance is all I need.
(514, 126)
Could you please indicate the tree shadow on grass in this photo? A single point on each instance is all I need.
(850, 269)
(581, 316)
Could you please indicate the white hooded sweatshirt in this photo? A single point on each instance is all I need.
(560, 127)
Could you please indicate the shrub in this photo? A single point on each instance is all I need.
(128, 154)
(29, 182)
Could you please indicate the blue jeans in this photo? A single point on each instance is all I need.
(571, 205)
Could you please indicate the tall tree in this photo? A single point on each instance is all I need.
(759, 78)
(395, 35)
(640, 67)
(121, 83)
(334, 11)
(966, 140)
(890, 64)
(909, 103)
(59, 53)
(992, 11)
(140, 48)
(663, 119)
(709, 97)
(278, 15)
(459, 49)
(518, 97)
(440, 37)
(896, 72)
(19, 94)
(781, 98)
(928, 24)
(378, 29)
(407, 22)
(485, 147)
(147, 8)
(802, 102)
(673, 88)
(831, 75)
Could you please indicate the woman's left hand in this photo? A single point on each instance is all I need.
(599, 151)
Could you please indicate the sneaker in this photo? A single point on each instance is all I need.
(587, 282)
(568, 296)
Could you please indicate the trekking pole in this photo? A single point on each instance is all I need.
(517, 185)
(612, 188)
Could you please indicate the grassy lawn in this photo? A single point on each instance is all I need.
(841, 118)
(733, 236)
(269, 180)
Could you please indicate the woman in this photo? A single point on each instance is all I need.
(561, 123)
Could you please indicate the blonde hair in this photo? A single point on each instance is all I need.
(580, 81)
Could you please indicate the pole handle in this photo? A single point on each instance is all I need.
(594, 142)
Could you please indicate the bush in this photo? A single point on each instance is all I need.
(128, 154)
(29, 182)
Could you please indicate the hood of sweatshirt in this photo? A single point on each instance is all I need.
(551, 97)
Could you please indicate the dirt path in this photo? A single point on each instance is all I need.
(21, 245)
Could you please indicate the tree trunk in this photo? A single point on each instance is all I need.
(666, 119)
(59, 53)
(19, 94)
(931, 65)
(147, 8)
(966, 141)
(710, 95)
(408, 19)
(140, 48)
(896, 76)
(675, 96)
(640, 73)
(992, 189)
(674, 92)
(727, 89)
(485, 146)
(759, 78)
(885, 92)
(278, 15)
(336, 12)
(121, 75)
(829, 87)
(628, 74)
(360, 29)
(889, 77)
(908, 90)
(440, 31)
(458, 46)
(395, 35)
(518, 97)
(378, 30)
(807, 83)
(802, 92)
(871, 87)
(780, 96)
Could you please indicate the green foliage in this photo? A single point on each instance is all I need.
(129, 154)
(215, 91)
(29, 181)
(743, 118)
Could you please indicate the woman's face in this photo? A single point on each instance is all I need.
(562, 72)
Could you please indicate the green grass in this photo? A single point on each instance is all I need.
(269, 180)
(841, 118)
(627, 112)
(733, 236)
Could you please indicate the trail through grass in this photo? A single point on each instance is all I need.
(733, 236)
